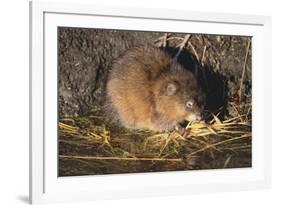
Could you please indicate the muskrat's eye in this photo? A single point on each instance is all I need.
(189, 104)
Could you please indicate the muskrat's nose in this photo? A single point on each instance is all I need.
(194, 117)
(198, 117)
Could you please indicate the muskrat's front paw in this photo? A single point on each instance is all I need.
(179, 129)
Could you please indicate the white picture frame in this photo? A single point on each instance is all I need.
(46, 186)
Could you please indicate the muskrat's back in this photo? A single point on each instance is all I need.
(147, 89)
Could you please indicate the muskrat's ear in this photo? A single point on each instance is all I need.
(171, 88)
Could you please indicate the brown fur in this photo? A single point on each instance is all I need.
(149, 90)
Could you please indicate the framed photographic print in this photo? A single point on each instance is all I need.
(130, 102)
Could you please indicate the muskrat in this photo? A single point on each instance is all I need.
(148, 89)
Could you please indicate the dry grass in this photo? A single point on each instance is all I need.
(210, 140)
